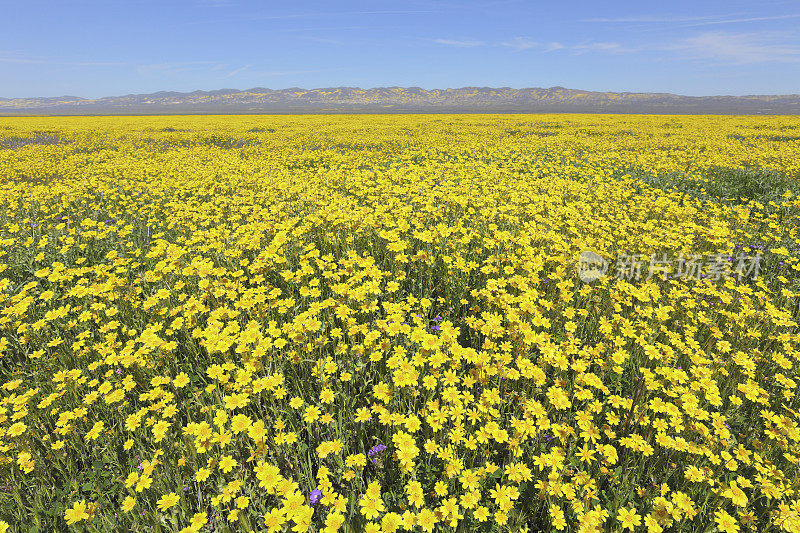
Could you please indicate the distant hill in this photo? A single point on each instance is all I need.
(401, 99)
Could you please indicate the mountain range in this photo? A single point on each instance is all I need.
(401, 100)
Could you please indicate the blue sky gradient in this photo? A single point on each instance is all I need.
(95, 48)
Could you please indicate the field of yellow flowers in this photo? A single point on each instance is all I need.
(379, 323)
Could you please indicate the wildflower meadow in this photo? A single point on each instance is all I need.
(378, 323)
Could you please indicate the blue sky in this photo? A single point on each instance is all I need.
(95, 48)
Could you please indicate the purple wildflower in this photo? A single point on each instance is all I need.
(375, 450)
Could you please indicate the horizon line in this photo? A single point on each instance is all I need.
(504, 87)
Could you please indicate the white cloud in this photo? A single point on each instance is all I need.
(642, 19)
(524, 43)
(521, 43)
(739, 48)
(741, 20)
(609, 47)
(236, 71)
(690, 21)
(17, 57)
(462, 44)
